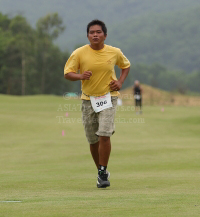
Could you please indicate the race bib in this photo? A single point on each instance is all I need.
(100, 103)
(137, 97)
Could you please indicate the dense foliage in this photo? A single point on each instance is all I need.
(158, 76)
(31, 63)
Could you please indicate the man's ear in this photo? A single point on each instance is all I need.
(105, 36)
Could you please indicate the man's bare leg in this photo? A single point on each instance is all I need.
(101, 151)
(94, 149)
(104, 154)
(104, 150)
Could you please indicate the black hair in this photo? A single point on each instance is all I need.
(97, 22)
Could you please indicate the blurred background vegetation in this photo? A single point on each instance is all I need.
(160, 38)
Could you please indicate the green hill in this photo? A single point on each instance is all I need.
(170, 39)
(147, 31)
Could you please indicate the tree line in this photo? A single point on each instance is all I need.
(31, 63)
(159, 76)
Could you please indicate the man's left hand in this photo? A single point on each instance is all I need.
(115, 85)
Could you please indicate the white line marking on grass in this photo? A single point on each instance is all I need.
(10, 201)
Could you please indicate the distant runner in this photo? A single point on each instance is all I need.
(137, 92)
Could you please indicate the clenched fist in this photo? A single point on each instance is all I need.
(115, 85)
(86, 75)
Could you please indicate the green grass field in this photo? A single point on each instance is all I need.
(154, 164)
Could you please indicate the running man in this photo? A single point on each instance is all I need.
(137, 92)
(100, 86)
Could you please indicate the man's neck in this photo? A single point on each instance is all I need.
(97, 47)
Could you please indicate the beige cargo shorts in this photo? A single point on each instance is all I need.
(98, 124)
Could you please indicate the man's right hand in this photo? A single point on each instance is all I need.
(86, 75)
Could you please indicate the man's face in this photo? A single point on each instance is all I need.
(96, 35)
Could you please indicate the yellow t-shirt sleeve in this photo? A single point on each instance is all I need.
(122, 61)
(72, 64)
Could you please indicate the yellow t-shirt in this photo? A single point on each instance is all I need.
(101, 63)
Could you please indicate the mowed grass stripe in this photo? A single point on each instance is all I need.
(154, 165)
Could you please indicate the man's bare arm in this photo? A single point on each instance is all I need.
(116, 85)
(72, 76)
(124, 74)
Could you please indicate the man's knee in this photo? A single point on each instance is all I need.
(104, 139)
(94, 144)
